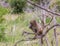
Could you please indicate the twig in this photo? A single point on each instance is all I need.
(24, 32)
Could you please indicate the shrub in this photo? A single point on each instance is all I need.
(18, 5)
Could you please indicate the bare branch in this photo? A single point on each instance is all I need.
(50, 29)
(49, 22)
(30, 39)
(24, 32)
(54, 13)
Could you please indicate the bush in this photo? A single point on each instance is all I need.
(3, 11)
(18, 5)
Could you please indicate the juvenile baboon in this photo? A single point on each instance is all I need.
(36, 28)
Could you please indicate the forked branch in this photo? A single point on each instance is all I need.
(49, 22)
(50, 29)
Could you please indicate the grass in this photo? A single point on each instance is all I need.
(15, 27)
(3, 11)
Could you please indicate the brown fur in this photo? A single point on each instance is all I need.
(36, 27)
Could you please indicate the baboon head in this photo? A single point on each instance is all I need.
(33, 25)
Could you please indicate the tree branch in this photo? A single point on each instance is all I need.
(47, 10)
(49, 22)
(30, 39)
(50, 29)
(24, 32)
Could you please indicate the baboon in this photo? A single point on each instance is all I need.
(36, 28)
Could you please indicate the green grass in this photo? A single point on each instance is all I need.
(3, 11)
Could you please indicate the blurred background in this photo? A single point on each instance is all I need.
(15, 16)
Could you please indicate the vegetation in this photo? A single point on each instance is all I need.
(3, 11)
(18, 5)
(12, 25)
